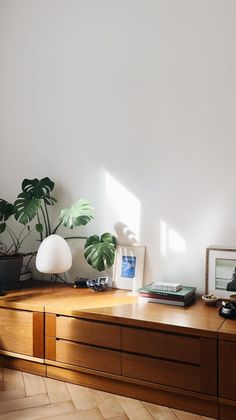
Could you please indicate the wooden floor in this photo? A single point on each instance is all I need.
(24, 396)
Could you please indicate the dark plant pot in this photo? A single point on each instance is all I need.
(10, 269)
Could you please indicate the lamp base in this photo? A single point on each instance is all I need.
(56, 278)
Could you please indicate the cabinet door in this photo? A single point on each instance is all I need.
(227, 369)
(21, 332)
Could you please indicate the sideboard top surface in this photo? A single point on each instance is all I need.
(117, 307)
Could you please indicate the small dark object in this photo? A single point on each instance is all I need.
(228, 310)
(80, 282)
(98, 285)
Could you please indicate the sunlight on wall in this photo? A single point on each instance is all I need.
(170, 240)
(123, 207)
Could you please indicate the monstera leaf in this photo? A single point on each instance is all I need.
(2, 227)
(79, 214)
(6, 209)
(39, 189)
(100, 252)
(26, 207)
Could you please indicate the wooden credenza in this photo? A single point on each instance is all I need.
(178, 357)
(227, 370)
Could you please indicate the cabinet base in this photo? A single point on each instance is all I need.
(23, 365)
(203, 405)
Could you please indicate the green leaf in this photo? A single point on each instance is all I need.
(26, 207)
(49, 200)
(39, 227)
(79, 214)
(2, 227)
(39, 189)
(100, 252)
(6, 209)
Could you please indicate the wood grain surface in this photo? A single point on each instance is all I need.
(168, 346)
(16, 331)
(88, 356)
(26, 396)
(116, 306)
(206, 406)
(88, 332)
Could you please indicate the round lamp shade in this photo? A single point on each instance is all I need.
(53, 255)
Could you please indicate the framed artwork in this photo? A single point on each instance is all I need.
(221, 271)
(129, 267)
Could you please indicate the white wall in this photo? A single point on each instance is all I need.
(131, 104)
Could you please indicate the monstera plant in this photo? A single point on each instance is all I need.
(31, 210)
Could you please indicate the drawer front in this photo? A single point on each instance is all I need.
(88, 332)
(16, 331)
(157, 344)
(161, 371)
(227, 369)
(88, 357)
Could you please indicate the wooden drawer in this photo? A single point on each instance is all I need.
(88, 332)
(227, 369)
(88, 356)
(168, 346)
(16, 331)
(161, 371)
(227, 412)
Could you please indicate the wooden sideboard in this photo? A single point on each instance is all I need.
(227, 370)
(109, 341)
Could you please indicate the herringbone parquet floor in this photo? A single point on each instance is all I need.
(24, 396)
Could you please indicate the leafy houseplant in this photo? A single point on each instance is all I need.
(32, 204)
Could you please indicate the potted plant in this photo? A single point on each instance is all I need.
(11, 257)
(32, 204)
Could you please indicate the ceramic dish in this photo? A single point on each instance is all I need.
(210, 299)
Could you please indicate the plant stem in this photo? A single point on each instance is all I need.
(22, 240)
(40, 233)
(76, 237)
(13, 233)
(21, 233)
(18, 239)
(45, 222)
(48, 221)
(12, 237)
(59, 224)
(29, 260)
(7, 251)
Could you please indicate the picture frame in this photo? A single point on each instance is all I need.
(129, 267)
(220, 271)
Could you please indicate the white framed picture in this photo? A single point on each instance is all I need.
(129, 267)
(221, 271)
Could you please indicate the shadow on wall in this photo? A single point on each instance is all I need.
(125, 235)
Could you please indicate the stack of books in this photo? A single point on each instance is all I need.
(180, 297)
(166, 287)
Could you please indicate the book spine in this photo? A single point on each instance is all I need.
(164, 301)
(169, 295)
(167, 301)
(166, 288)
(157, 296)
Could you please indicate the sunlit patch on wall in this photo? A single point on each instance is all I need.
(170, 240)
(122, 206)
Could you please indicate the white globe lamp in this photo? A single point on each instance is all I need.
(53, 256)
